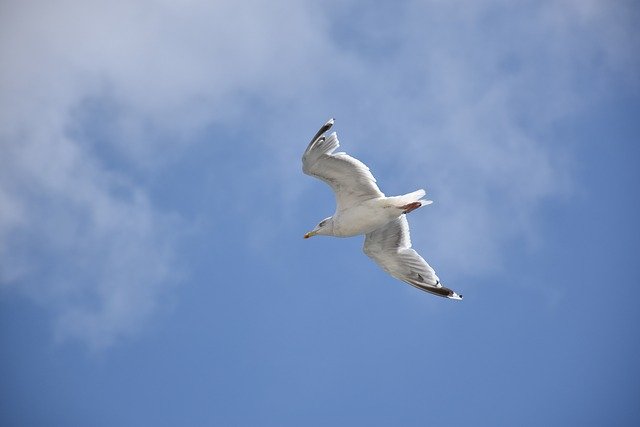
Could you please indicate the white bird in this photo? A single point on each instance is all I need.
(361, 208)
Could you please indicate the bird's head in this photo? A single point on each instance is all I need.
(324, 227)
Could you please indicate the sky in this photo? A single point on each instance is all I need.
(152, 208)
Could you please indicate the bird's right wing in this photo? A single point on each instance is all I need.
(390, 247)
(350, 179)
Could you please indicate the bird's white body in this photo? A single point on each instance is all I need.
(364, 218)
(372, 214)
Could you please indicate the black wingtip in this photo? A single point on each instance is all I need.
(328, 125)
(456, 296)
(322, 130)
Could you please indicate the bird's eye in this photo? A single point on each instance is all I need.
(322, 223)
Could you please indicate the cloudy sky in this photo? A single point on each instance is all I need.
(152, 207)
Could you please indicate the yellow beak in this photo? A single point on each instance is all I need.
(309, 234)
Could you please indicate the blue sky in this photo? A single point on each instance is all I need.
(152, 207)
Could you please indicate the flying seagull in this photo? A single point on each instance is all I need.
(361, 208)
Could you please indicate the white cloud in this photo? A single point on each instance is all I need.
(79, 240)
(464, 90)
(467, 98)
(78, 235)
(496, 88)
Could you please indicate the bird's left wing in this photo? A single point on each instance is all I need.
(350, 179)
(390, 247)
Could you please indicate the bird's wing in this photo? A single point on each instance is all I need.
(390, 247)
(350, 179)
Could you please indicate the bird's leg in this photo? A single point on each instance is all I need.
(410, 207)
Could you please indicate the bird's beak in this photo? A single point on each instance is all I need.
(310, 234)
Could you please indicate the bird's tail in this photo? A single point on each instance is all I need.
(411, 201)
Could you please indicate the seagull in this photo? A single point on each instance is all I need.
(361, 208)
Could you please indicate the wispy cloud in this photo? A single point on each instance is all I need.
(84, 242)
(97, 98)
(493, 92)
(79, 233)
(464, 99)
